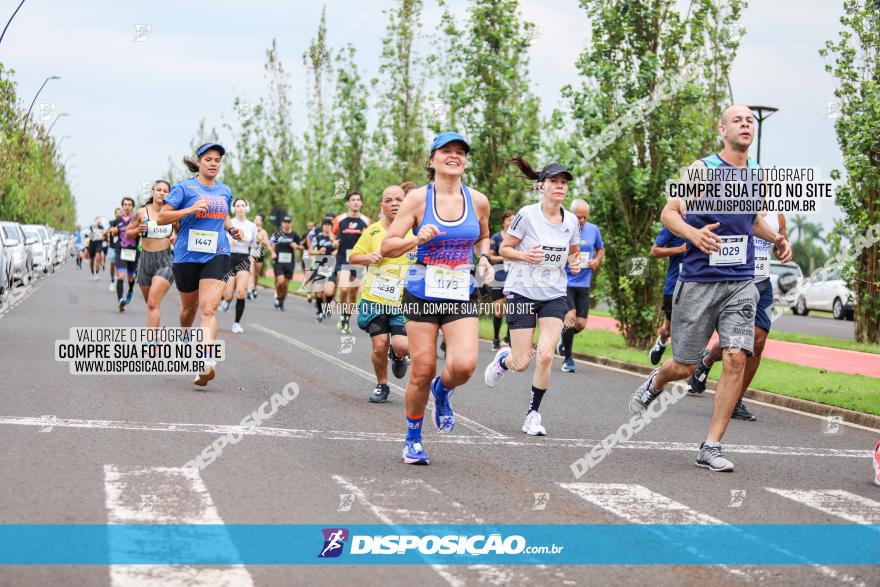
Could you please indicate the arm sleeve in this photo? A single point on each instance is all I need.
(575, 234)
(175, 197)
(599, 243)
(518, 226)
(361, 247)
(663, 238)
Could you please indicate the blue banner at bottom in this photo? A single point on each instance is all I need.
(595, 544)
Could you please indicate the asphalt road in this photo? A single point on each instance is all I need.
(113, 452)
(843, 329)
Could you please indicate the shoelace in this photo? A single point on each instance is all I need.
(714, 451)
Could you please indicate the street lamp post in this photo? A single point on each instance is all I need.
(34, 101)
(762, 113)
(8, 22)
(56, 120)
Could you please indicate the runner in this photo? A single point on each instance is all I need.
(541, 240)
(283, 244)
(96, 246)
(715, 290)
(697, 380)
(239, 279)
(201, 255)
(673, 247)
(348, 228)
(258, 255)
(154, 275)
(79, 240)
(323, 262)
(496, 292)
(111, 244)
(379, 312)
(440, 293)
(306, 258)
(125, 252)
(592, 251)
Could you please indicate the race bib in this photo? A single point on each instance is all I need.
(158, 230)
(128, 254)
(447, 284)
(202, 241)
(285, 258)
(387, 287)
(762, 265)
(733, 251)
(347, 255)
(585, 258)
(554, 256)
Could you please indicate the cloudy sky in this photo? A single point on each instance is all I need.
(135, 96)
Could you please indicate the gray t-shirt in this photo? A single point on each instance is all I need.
(547, 280)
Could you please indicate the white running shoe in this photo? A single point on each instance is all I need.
(205, 376)
(236, 328)
(224, 305)
(112, 287)
(494, 370)
(532, 424)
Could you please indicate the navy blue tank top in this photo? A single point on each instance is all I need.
(695, 265)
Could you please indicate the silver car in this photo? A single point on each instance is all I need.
(7, 278)
(42, 249)
(20, 247)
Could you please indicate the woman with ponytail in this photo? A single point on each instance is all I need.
(201, 205)
(542, 239)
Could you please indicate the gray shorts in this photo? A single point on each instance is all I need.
(698, 309)
(158, 264)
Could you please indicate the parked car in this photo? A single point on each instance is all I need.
(15, 241)
(7, 277)
(42, 248)
(777, 270)
(831, 295)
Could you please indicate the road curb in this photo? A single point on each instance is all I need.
(760, 395)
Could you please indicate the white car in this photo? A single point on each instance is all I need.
(778, 270)
(831, 295)
(43, 249)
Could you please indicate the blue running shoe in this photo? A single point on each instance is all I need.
(413, 454)
(128, 297)
(568, 366)
(444, 419)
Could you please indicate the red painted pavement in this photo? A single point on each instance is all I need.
(808, 355)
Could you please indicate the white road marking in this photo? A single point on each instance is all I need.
(544, 443)
(22, 296)
(384, 501)
(160, 495)
(836, 502)
(464, 421)
(639, 505)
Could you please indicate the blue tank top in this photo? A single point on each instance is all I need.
(453, 248)
(695, 264)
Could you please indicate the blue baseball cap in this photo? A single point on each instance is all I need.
(208, 146)
(444, 138)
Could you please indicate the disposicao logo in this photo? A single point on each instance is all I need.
(334, 540)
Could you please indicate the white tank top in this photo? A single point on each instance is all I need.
(248, 238)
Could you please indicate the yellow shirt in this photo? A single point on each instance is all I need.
(383, 283)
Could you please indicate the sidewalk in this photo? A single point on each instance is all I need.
(808, 355)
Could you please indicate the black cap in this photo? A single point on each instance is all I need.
(285, 218)
(554, 169)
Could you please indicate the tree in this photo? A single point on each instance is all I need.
(401, 136)
(488, 96)
(856, 72)
(350, 115)
(314, 189)
(637, 59)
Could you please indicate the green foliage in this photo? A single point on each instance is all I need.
(639, 50)
(856, 71)
(34, 188)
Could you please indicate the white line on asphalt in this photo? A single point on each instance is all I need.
(466, 422)
(385, 502)
(765, 404)
(25, 295)
(639, 505)
(544, 443)
(164, 495)
(836, 502)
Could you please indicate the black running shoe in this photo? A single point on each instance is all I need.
(698, 378)
(398, 366)
(380, 394)
(657, 352)
(741, 412)
(496, 344)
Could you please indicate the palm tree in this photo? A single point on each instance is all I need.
(810, 230)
